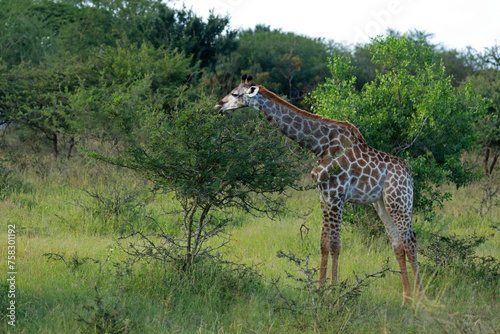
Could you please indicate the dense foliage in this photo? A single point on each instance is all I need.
(410, 109)
(210, 163)
(487, 83)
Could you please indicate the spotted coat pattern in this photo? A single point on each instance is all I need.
(348, 170)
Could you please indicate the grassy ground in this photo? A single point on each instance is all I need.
(93, 287)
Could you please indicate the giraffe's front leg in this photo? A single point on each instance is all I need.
(330, 237)
(325, 250)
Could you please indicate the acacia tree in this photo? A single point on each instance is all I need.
(210, 163)
(410, 109)
(69, 99)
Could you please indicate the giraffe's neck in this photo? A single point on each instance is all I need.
(319, 135)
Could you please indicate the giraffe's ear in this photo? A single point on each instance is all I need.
(252, 91)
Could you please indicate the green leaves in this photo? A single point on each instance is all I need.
(104, 96)
(340, 88)
(221, 161)
(409, 109)
(487, 83)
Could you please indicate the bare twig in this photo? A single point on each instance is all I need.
(365, 281)
(323, 299)
(405, 147)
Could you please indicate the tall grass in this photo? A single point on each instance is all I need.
(77, 209)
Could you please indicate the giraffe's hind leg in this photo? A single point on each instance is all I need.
(397, 245)
(412, 257)
(404, 226)
(401, 215)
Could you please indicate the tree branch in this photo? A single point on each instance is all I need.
(402, 149)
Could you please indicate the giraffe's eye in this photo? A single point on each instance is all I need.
(235, 94)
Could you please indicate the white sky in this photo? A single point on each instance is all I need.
(455, 24)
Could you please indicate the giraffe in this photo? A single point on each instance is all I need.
(348, 170)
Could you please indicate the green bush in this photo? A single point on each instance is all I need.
(458, 254)
(410, 109)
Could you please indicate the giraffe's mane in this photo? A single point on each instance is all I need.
(270, 95)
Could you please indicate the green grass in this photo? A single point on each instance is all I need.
(53, 215)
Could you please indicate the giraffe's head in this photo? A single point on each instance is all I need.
(240, 96)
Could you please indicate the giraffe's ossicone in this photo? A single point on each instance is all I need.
(349, 170)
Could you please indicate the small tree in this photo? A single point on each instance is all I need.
(410, 109)
(487, 83)
(70, 99)
(210, 163)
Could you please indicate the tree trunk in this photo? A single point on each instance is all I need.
(54, 145)
(488, 169)
(486, 158)
(198, 239)
(492, 166)
(71, 145)
(189, 225)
